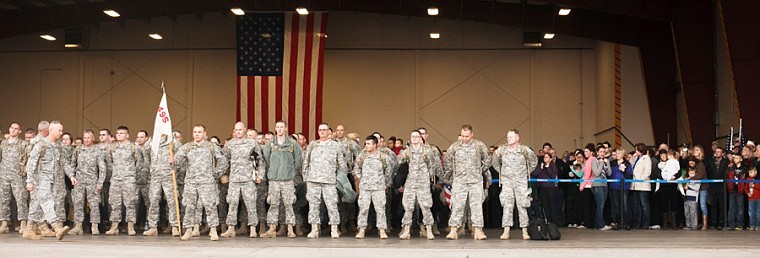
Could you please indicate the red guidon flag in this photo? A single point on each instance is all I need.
(280, 60)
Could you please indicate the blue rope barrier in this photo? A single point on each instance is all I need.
(680, 181)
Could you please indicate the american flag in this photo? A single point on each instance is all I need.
(280, 60)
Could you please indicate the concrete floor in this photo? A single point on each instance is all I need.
(574, 243)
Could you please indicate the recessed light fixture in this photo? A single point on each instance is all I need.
(47, 37)
(435, 35)
(155, 36)
(432, 11)
(71, 45)
(237, 11)
(564, 11)
(111, 13)
(548, 35)
(302, 11)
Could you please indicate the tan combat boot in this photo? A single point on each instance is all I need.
(477, 233)
(188, 234)
(60, 230)
(461, 231)
(253, 232)
(175, 231)
(314, 231)
(404, 235)
(30, 233)
(360, 234)
(196, 230)
(505, 235)
(334, 232)
(45, 230)
(94, 229)
(299, 230)
(526, 236)
(229, 233)
(423, 233)
(291, 234)
(271, 233)
(131, 228)
(114, 230)
(77, 230)
(281, 231)
(212, 234)
(151, 232)
(382, 233)
(430, 234)
(4, 227)
(22, 227)
(453, 233)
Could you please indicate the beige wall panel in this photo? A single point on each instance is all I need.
(213, 91)
(637, 122)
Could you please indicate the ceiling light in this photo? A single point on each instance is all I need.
(47, 37)
(564, 11)
(435, 35)
(155, 36)
(302, 11)
(534, 44)
(432, 11)
(71, 45)
(237, 11)
(111, 13)
(548, 35)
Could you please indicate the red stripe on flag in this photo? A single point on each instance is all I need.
(320, 69)
(307, 75)
(278, 99)
(237, 114)
(293, 73)
(251, 101)
(264, 103)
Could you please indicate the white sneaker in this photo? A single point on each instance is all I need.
(571, 225)
(654, 227)
(580, 226)
(606, 228)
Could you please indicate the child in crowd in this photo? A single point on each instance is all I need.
(691, 191)
(753, 194)
(736, 190)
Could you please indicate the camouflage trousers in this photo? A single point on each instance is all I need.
(123, 192)
(423, 198)
(143, 192)
(511, 194)
(158, 188)
(281, 192)
(42, 207)
(262, 190)
(199, 197)
(459, 198)
(13, 188)
(376, 197)
(59, 194)
(78, 195)
(315, 193)
(247, 192)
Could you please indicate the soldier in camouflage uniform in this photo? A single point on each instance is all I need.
(324, 162)
(126, 159)
(424, 164)
(466, 161)
(514, 162)
(347, 209)
(12, 175)
(104, 146)
(142, 178)
(373, 171)
(439, 210)
(161, 184)
(283, 157)
(382, 147)
(91, 172)
(246, 168)
(205, 163)
(44, 160)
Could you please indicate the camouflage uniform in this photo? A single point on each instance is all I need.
(12, 174)
(204, 163)
(284, 162)
(161, 182)
(126, 158)
(514, 166)
(348, 209)
(374, 173)
(324, 162)
(105, 209)
(142, 178)
(464, 167)
(59, 185)
(424, 164)
(246, 164)
(90, 173)
(45, 159)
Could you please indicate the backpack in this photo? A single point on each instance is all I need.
(540, 228)
(424, 158)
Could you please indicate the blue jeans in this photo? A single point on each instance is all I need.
(754, 213)
(735, 210)
(703, 201)
(641, 208)
(620, 211)
(600, 197)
